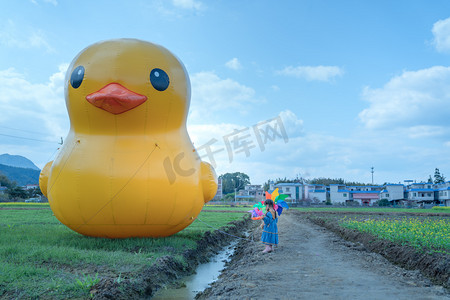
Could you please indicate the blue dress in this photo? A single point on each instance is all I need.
(270, 231)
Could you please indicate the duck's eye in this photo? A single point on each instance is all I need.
(77, 77)
(159, 79)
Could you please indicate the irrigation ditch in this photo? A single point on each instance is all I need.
(239, 279)
(168, 271)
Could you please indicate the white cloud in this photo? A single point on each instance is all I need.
(415, 98)
(425, 131)
(188, 4)
(263, 154)
(34, 107)
(441, 33)
(292, 124)
(210, 93)
(234, 64)
(202, 133)
(175, 9)
(312, 73)
(13, 36)
(54, 2)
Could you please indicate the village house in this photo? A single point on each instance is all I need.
(393, 192)
(443, 193)
(421, 193)
(295, 190)
(316, 192)
(219, 193)
(252, 191)
(365, 195)
(31, 186)
(339, 194)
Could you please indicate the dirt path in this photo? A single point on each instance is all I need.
(313, 263)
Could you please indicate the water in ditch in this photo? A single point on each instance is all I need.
(205, 274)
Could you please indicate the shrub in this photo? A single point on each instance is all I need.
(383, 202)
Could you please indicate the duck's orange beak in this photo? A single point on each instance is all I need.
(115, 98)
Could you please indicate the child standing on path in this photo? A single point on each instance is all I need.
(269, 226)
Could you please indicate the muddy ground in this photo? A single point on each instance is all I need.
(167, 271)
(435, 266)
(312, 262)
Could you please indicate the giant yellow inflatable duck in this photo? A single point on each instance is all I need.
(127, 167)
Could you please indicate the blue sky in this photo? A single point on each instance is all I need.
(356, 83)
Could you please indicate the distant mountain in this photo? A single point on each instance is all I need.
(21, 176)
(17, 161)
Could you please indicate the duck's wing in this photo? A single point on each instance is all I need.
(43, 177)
(209, 181)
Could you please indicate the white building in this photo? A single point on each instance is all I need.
(443, 193)
(254, 191)
(31, 186)
(339, 193)
(420, 192)
(219, 193)
(365, 195)
(295, 190)
(393, 192)
(316, 192)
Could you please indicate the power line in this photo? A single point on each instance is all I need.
(24, 138)
(22, 130)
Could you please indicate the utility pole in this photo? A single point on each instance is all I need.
(372, 174)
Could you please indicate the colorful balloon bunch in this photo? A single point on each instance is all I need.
(279, 204)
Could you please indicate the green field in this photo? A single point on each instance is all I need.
(23, 204)
(426, 233)
(227, 208)
(40, 257)
(442, 210)
(424, 229)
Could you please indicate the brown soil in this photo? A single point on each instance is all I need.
(166, 269)
(313, 263)
(436, 266)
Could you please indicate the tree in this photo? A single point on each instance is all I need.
(430, 180)
(17, 192)
(326, 181)
(232, 181)
(4, 181)
(34, 192)
(228, 197)
(438, 178)
(383, 202)
(297, 179)
(266, 185)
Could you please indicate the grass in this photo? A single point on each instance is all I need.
(23, 204)
(226, 207)
(370, 209)
(425, 234)
(40, 257)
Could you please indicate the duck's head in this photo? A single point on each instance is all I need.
(126, 86)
